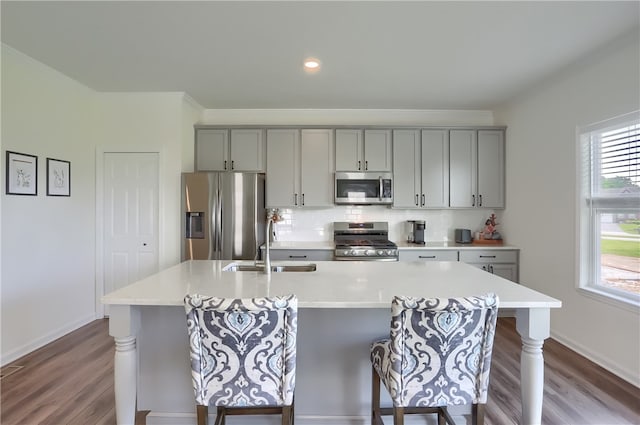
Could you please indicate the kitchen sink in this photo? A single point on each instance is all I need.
(234, 267)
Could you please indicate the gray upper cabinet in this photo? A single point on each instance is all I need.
(491, 168)
(299, 168)
(476, 168)
(377, 150)
(230, 150)
(282, 183)
(363, 151)
(316, 168)
(407, 174)
(211, 149)
(349, 150)
(421, 168)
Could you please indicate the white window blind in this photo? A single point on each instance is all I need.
(615, 165)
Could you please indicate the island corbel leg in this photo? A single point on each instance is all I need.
(533, 325)
(124, 322)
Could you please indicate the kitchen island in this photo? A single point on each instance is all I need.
(343, 306)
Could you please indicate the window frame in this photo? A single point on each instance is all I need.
(590, 210)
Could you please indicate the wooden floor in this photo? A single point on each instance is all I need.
(70, 381)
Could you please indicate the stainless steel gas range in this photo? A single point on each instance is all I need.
(363, 241)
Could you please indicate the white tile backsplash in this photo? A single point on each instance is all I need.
(317, 224)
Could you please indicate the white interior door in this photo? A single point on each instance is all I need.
(130, 207)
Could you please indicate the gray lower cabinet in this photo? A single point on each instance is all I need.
(301, 254)
(503, 263)
(427, 255)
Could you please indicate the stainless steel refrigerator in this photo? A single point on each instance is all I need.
(223, 215)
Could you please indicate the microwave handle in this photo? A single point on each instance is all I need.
(381, 188)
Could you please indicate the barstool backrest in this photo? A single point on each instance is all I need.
(441, 349)
(243, 351)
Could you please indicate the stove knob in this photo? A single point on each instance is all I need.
(380, 252)
(370, 252)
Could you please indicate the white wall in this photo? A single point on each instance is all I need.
(541, 192)
(148, 122)
(49, 262)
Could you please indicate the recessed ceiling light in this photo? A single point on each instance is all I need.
(311, 64)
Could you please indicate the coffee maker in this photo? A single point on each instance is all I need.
(416, 231)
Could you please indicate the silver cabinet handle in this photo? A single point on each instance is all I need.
(359, 165)
(416, 199)
(427, 256)
(473, 200)
(423, 200)
(366, 165)
(225, 164)
(303, 199)
(487, 256)
(232, 165)
(295, 199)
(297, 256)
(479, 200)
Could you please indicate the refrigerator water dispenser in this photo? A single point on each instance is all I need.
(194, 225)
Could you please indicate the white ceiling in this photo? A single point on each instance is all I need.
(375, 55)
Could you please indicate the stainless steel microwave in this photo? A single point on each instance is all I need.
(364, 188)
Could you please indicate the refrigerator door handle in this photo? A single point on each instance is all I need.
(220, 226)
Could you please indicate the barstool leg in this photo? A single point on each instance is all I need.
(398, 416)
(477, 414)
(202, 414)
(375, 396)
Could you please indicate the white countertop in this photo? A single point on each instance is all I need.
(330, 245)
(450, 246)
(335, 284)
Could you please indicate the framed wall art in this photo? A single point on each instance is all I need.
(22, 174)
(58, 177)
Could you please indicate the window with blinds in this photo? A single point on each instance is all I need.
(609, 209)
(616, 168)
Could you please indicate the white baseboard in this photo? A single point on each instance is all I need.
(623, 373)
(44, 340)
(167, 418)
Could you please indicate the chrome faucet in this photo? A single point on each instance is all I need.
(273, 215)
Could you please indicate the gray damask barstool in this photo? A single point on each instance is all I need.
(438, 355)
(243, 355)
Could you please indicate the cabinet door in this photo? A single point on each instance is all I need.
(349, 150)
(247, 149)
(406, 169)
(508, 271)
(316, 168)
(427, 255)
(491, 169)
(301, 254)
(489, 256)
(282, 168)
(377, 150)
(462, 168)
(211, 149)
(435, 169)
